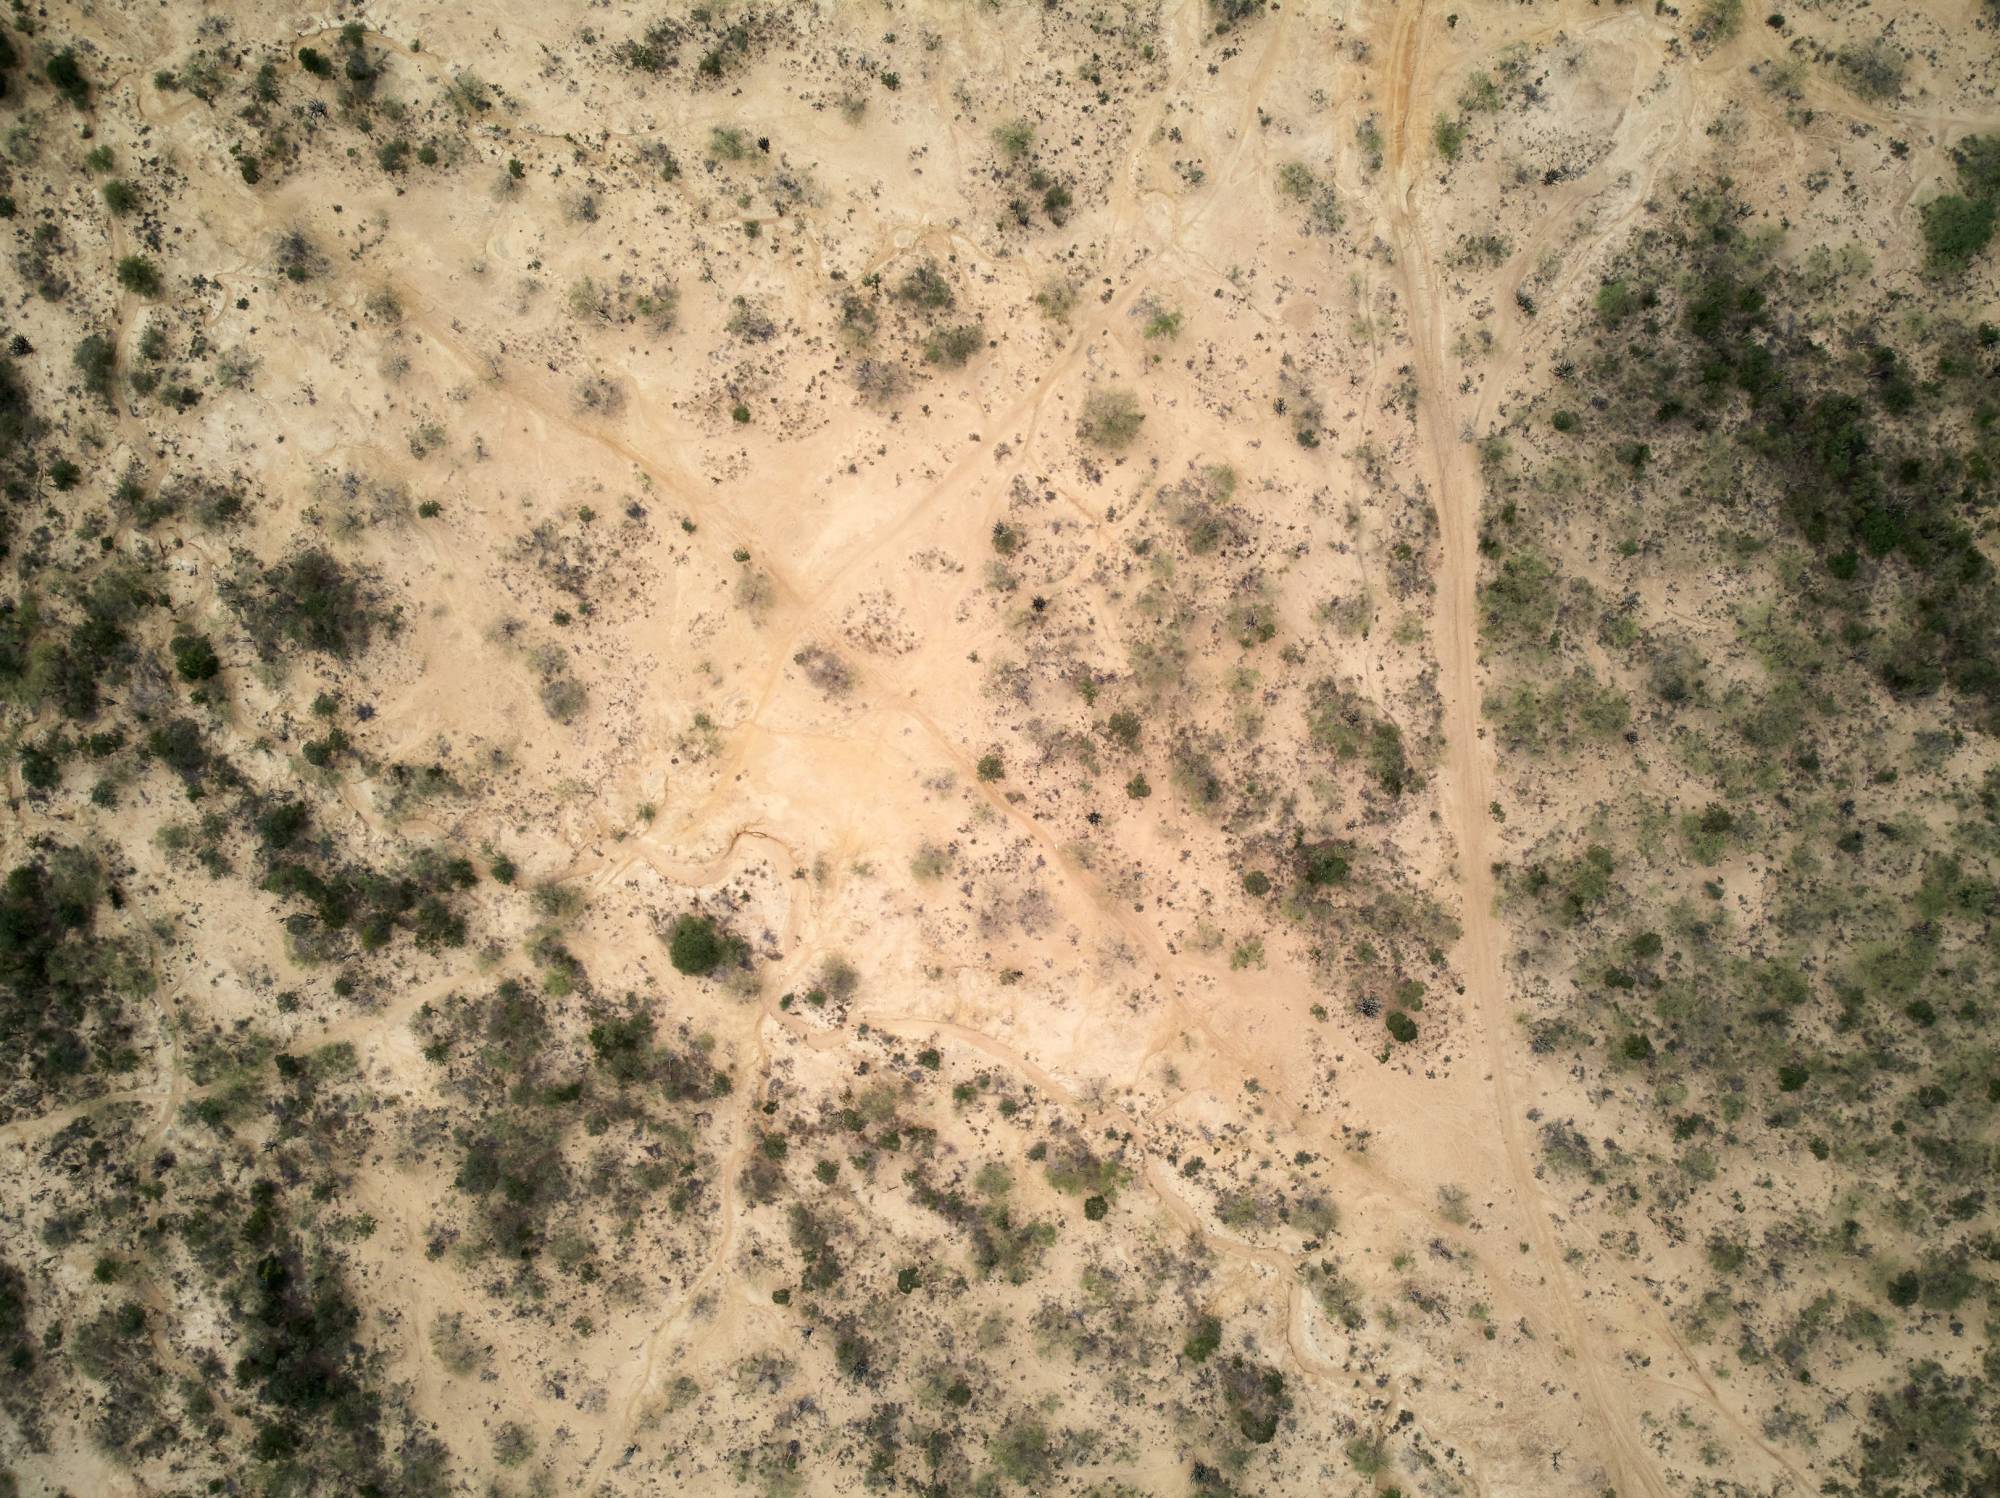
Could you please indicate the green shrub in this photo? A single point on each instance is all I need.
(513, 1444)
(1708, 832)
(138, 274)
(1955, 230)
(1977, 158)
(1021, 1451)
(1520, 601)
(1324, 864)
(96, 362)
(926, 287)
(563, 698)
(1448, 135)
(696, 947)
(1616, 301)
(1203, 1340)
(1055, 298)
(195, 659)
(1719, 20)
(67, 75)
(1111, 418)
(952, 346)
(1874, 69)
(1255, 1396)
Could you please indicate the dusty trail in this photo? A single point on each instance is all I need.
(1468, 782)
(1572, 217)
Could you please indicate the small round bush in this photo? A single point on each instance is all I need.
(696, 947)
(1402, 1026)
(137, 273)
(194, 658)
(1111, 418)
(1257, 883)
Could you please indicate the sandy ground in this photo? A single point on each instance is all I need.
(728, 510)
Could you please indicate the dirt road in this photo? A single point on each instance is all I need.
(1468, 782)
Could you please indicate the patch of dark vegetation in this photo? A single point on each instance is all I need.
(64, 986)
(344, 900)
(310, 601)
(1880, 470)
(532, 1077)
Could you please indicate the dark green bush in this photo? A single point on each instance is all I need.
(952, 346)
(138, 274)
(96, 361)
(1955, 230)
(696, 947)
(926, 287)
(1255, 1396)
(195, 659)
(67, 75)
(1203, 1341)
(1324, 864)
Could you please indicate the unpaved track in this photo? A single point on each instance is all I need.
(1468, 782)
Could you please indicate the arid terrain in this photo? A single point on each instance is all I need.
(1183, 748)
